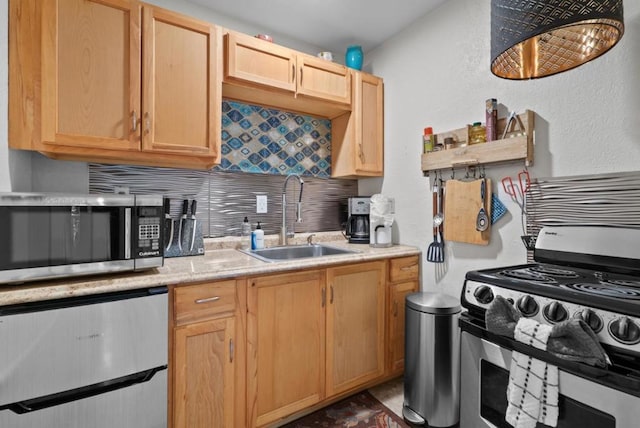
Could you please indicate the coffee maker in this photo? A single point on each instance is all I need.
(357, 228)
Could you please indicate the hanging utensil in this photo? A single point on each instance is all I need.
(482, 220)
(435, 253)
(440, 209)
(438, 217)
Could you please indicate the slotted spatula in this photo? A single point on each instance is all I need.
(435, 252)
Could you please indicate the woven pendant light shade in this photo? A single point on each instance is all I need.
(537, 38)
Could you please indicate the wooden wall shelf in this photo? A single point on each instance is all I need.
(509, 149)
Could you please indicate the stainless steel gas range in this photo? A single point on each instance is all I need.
(588, 272)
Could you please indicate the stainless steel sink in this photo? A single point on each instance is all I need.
(294, 252)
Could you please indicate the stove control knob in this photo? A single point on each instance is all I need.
(527, 306)
(554, 312)
(625, 331)
(591, 318)
(483, 294)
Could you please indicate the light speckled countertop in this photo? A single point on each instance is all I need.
(220, 261)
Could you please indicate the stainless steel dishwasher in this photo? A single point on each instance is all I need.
(97, 361)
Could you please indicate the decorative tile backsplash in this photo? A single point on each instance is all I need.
(267, 141)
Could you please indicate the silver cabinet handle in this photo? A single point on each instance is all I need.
(301, 75)
(208, 299)
(405, 268)
(293, 72)
(231, 350)
(134, 121)
(331, 299)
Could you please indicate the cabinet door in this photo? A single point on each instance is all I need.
(285, 344)
(369, 126)
(397, 294)
(181, 87)
(203, 357)
(323, 79)
(355, 325)
(256, 61)
(91, 73)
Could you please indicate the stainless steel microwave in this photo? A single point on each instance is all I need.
(44, 235)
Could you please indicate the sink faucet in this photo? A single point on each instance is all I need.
(283, 230)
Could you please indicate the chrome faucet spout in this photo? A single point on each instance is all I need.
(284, 234)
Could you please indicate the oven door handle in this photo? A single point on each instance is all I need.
(32, 405)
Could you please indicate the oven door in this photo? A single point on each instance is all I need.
(484, 371)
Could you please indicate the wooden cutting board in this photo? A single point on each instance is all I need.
(462, 203)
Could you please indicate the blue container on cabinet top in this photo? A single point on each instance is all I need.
(353, 57)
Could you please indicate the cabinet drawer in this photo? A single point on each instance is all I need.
(404, 269)
(199, 302)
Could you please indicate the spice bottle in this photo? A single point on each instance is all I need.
(427, 140)
(477, 133)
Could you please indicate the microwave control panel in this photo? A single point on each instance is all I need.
(148, 242)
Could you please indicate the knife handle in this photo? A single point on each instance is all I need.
(185, 207)
(167, 207)
(194, 205)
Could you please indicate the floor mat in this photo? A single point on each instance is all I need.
(362, 410)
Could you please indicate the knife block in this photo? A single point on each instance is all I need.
(184, 249)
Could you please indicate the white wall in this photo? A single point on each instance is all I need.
(437, 74)
(27, 171)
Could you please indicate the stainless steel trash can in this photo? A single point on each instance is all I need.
(432, 360)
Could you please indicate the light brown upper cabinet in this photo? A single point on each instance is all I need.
(115, 81)
(357, 142)
(269, 74)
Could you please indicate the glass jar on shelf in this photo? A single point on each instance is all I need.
(477, 133)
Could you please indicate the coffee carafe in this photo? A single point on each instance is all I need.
(357, 227)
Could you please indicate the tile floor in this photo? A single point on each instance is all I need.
(391, 394)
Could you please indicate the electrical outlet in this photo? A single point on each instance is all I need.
(261, 204)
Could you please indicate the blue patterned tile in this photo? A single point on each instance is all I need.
(235, 115)
(270, 141)
(264, 153)
(291, 162)
(283, 155)
(255, 158)
(235, 143)
(274, 148)
(264, 127)
(265, 140)
(291, 137)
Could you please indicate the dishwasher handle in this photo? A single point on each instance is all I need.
(51, 400)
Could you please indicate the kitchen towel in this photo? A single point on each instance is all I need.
(532, 392)
(572, 340)
(497, 208)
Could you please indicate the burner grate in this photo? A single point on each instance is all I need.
(607, 289)
(554, 271)
(528, 275)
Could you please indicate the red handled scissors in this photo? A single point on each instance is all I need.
(518, 190)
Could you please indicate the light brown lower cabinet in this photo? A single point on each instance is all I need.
(312, 335)
(403, 280)
(252, 352)
(207, 356)
(286, 343)
(355, 325)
